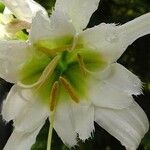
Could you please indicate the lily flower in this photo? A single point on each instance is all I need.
(70, 75)
(11, 28)
(23, 9)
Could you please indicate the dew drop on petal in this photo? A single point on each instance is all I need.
(70, 20)
(136, 84)
(111, 38)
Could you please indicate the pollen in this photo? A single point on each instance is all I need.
(69, 89)
(48, 70)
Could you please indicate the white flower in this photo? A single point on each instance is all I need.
(72, 77)
(11, 28)
(23, 9)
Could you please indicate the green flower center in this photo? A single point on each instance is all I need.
(56, 60)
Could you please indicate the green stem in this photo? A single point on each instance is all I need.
(49, 140)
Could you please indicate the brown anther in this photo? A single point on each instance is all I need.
(17, 25)
(69, 89)
(54, 96)
(81, 63)
(48, 70)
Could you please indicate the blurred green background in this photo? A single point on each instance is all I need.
(136, 58)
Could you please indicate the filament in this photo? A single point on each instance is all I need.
(83, 69)
(69, 89)
(48, 71)
(53, 102)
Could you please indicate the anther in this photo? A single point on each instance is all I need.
(17, 25)
(69, 89)
(49, 70)
(54, 96)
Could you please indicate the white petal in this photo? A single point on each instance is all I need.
(83, 117)
(118, 77)
(43, 27)
(127, 125)
(24, 9)
(12, 55)
(35, 7)
(106, 39)
(21, 140)
(105, 95)
(64, 124)
(7, 11)
(31, 117)
(114, 87)
(3, 32)
(13, 104)
(136, 28)
(112, 40)
(24, 109)
(79, 11)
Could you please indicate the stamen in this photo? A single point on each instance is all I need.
(82, 65)
(69, 89)
(17, 25)
(54, 95)
(50, 133)
(53, 103)
(74, 43)
(53, 52)
(48, 71)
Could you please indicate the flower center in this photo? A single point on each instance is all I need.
(53, 61)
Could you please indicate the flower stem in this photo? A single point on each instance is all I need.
(50, 134)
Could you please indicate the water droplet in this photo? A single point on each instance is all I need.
(112, 37)
(136, 84)
(70, 20)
